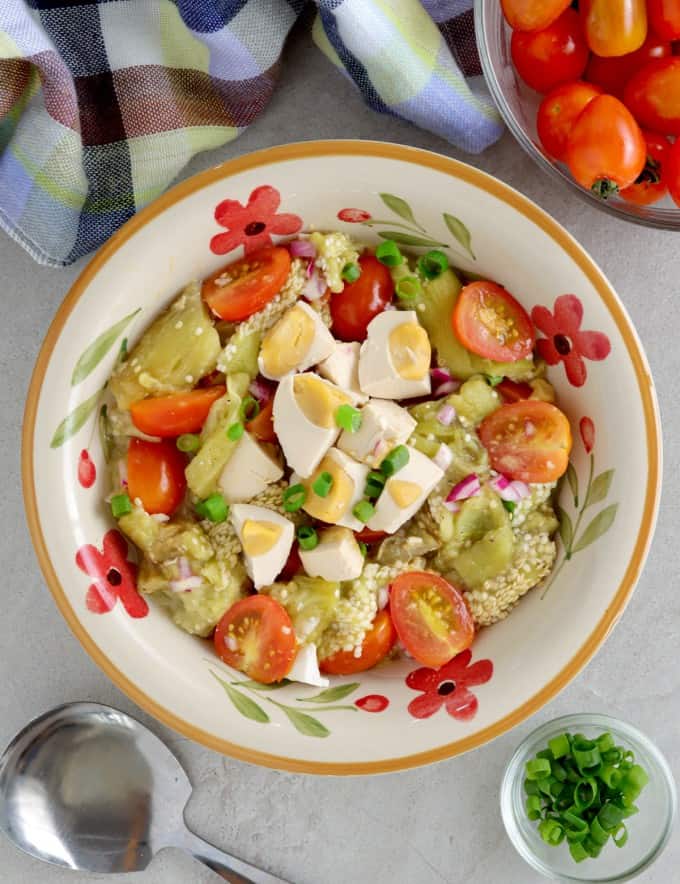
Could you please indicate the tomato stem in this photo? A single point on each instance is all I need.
(604, 188)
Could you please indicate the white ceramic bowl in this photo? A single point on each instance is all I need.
(517, 665)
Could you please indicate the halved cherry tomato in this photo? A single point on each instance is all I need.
(375, 647)
(511, 391)
(664, 18)
(650, 185)
(558, 112)
(169, 416)
(262, 426)
(431, 617)
(240, 289)
(673, 171)
(356, 305)
(614, 27)
(558, 54)
(293, 565)
(612, 74)
(605, 149)
(528, 440)
(653, 95)
(491, 323)
(256, 636)
(532, 15)
(366, 535)
(155, 475)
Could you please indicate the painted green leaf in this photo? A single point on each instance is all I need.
(258, 686)
(460, 231)
(572, 479)
(600, 487)
(75, 420)
(399, 206)
(247, 707)
(93, 355)
(105, 435)
(306, 724)
(332, 695)
(566, 528)
(599, 526)
(410, 239)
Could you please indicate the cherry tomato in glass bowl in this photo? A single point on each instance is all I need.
(664, 18)
(532, 15)
(376, 645)
(492, 323)
(256, 637)
(558, 112)
(155, 475)
(612, 74)
(169, 416)
(614, 27)
(356, 305)
(431, 617)
(672, 171)
(650, 185)
(528, 440)
(558, 54)
(240, 289)
(605, 149)
(653, 95)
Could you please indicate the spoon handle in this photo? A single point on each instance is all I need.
(231, 869)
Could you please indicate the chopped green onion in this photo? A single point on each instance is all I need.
(610, 816)
(363, 511)
(533, 806)
(250, 408)
(586, 754)
(307, 537)
(610, 775)
(597, 833)
(538, 768)
(188, 442)
(409, 289)
(620, 840)
(375, 482)
(395, 461)
(348, 418)
(214, 508)
(120, 505)
(493, 380)
(432, 264)
(545, 785)
(363, 549)
(551, 832)
(578, 851)
(509, 505)
(559, 746)
(530, 787)
(585, 793)
(235, 431)
(388, 253)
(294, 498)
(605, 742)
(351, 272)
(322, 486)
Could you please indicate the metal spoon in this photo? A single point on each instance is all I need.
(90, 788)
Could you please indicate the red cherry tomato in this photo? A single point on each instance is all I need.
(612, 74)
(532, 15)
(431, 617)
(256, 636)
(488, 321)
(672, 171)
(653, 95)
(558, 54)
(664, 18)
(366, 535)
(511, 391)
(293, 565)
(356, 305)
(155, 475)
(605, 149)
(169, 416)
(262, 426)
(558, 112)
(528, 440)
(614, 27)
(650, 185)
(375, 647)
(240, 289)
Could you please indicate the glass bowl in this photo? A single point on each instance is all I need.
(518, 106)
(648, 831)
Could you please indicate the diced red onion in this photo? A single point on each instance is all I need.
(184, 568)
(122, 473)
(513, 491)
(500, 483)
(186, 584)
(467, 487)
(440, 375)
(446, 415)
(452, 506)
(261, 389)
(302, 248)
(445, 389)
(310, 267)
(315, 287)
(443, 457)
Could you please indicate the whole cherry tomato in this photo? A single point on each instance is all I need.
(605, 149)
(614, 27)
(532, 15)
(650, 185)
(356, 305)
(672, 171)
(612, 74)
(155, 475)
(664, 18)
(653, 95)
(557, 54)
(559, 111)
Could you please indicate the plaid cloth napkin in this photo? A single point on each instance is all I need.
(103, 103)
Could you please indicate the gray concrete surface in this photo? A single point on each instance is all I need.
(437, 824)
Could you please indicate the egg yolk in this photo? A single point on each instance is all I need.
(410, 350)
(335, 504)
(259, 537)
(403, 493)
(287, 343)
(317, 400)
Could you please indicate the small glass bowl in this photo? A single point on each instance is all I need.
(518, 106)
(648, 831)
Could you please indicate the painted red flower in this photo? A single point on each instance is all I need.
(354, 216)
(449, 686)
(565, 342)
(587, 428)
(113, 576)
(372, 703)
(253, 224)
(87, 471)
